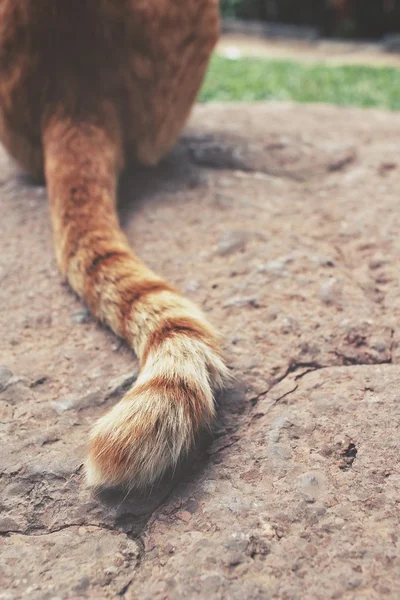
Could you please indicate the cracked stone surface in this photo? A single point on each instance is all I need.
(282, 222)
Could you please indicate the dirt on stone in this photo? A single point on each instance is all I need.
(283, 223)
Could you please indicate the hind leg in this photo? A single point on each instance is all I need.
(166, 79)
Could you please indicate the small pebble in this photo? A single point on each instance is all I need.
(331, 291)
(63, 405)
(324, 261)
(377, 262)
(241, 301)
(184, 515)
(289, 324)
(191, 286)
(230, 242)
(80, 316)
(7, 524)
(5, 376)
(312, 484)
(274, 267)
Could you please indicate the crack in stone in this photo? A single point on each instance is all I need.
(293, 366)
(310, 366)
(30, 532)
(351, 361)
(121, 593)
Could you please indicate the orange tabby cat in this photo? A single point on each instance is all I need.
(86, 86)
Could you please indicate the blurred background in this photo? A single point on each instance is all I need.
(341, 18)
(344, 52)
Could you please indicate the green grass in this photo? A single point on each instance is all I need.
(254, 79)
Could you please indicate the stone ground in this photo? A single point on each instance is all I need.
(283, 222)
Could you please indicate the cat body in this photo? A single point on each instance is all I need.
(86, 88)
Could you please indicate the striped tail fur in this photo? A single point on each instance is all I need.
(158, 419)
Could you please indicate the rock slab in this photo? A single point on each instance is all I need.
(282, 222)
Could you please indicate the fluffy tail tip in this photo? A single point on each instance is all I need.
(147, 433)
